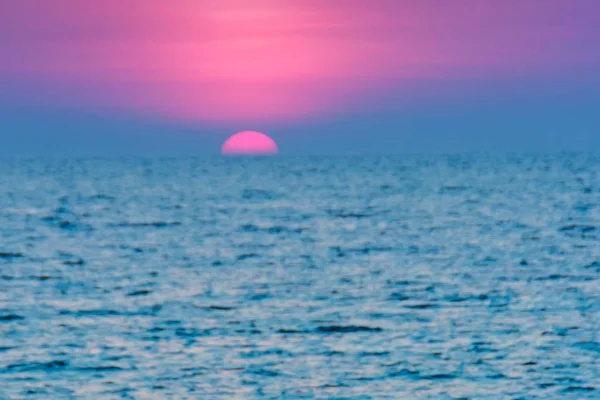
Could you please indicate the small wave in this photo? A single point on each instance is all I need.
(457, 298)
(398, 296)
(102, 197)
(192, 332)
(346, 329)
(264, 372)
(11, 255)
(342, 252)
(101, 368)
(274, 230)
(582, 231)
(142, 292)
(422, 306)
(354, 215)
(374, 353)
(11, 317)
(41, 278)
(290, 331)
(154, 224)
(257, 194)
(594, 265)
(79, 261)
(589, 346)
(437, 377)
(88, 313)
(39, 366)
(579, 389)
(453, 189)
(219, 308)
(555, 277)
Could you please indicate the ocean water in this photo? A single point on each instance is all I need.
(438, 277)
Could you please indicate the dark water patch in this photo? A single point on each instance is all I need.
(273, 230)
(337, 251)
(588, 346)
(366, 213)
(556, 277)
(402, 283)
(56, 365)
(40, 278)
(343, 252)
(482, 347)
(91, 313)
(102, 197)
(258, 194)
(190, 333)
(593, 265)
(422, 306)
(282, 229)
(11, 255)
(374, 353)
(246, 256)
(582, 231)
(398, 296)
(79, 261)
(248, 331)
(138, 249)
(154, 224)
(260, 296)
(584, 207)
(268, 352)
(250, 228)
(219, 308)
(264, 372)
(404, 372)
(141, 292)
(579, 389)
(488, 260)
(457, 298)
(453, 189)
(194, 371)
(438, 377)
(290, 331)
(11, 317)
(333, 353)
(373, 249)
(68, 226)
(101, 368)
(346, 329)
(558, 331)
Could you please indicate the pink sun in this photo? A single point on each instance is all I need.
(249, 142)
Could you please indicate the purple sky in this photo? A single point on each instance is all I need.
(195, 71)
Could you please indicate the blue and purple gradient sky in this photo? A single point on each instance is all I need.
(176, 77)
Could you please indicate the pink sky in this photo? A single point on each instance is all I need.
(272, 60)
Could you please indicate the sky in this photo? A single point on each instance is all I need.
(177, 77)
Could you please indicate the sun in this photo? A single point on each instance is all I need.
(249, 142)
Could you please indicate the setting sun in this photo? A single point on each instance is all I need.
(249, 142)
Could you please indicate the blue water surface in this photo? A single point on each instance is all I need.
(408, 277)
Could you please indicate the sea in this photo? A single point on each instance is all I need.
(469, 276)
